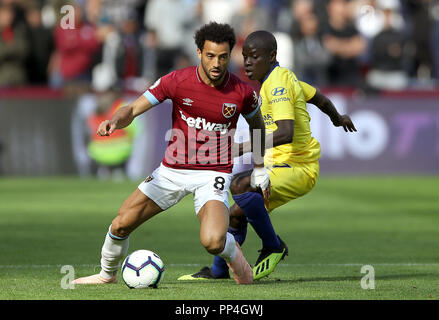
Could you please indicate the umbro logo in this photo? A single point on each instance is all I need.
(187, 102)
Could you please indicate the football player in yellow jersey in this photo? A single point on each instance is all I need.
(292, 162)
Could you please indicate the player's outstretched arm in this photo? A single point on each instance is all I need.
(326, 106)
(124, 116)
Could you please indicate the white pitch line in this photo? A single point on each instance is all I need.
(285, 265)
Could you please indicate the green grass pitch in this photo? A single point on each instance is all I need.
(390, 223)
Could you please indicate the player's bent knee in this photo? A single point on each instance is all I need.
(240, 185)
(214, 245)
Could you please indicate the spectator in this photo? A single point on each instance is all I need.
(274, 8)
(299, 9)
(369, 19)
(220, 11)
(388, 52)
(75, 52)
(310, 56)
(195, 7)
(40, 40)
(13, 48)
(435, 38)
(110, 154)
(167, 24)
(129, 61)
(115, 12)
(321, 11)
(346, 45)
(285, 49)
(418, 13)
(248, 18)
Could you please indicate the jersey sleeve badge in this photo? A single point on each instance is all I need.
(257, 100)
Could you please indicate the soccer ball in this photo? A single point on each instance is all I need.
(142, 269)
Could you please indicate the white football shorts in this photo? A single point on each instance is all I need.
(167, 186)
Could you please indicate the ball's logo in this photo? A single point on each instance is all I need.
(279, 91)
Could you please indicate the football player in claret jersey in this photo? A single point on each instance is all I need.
(207, 101)
(292, 162)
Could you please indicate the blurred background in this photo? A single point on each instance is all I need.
(64, 69)
(65, 66)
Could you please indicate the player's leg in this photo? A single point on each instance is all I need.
(291, 181)
(252, 204)
(211, 204)
(288, 181)
(238, 221)
(135, 210)
(238, 228)
(219, 268)
(214, 221)
(157, 193)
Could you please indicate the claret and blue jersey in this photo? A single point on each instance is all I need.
(202, 117)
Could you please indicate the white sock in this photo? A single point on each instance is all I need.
(229, 252)
(113, 251)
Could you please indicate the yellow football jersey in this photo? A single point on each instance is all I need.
(308, 90)
(284, 98)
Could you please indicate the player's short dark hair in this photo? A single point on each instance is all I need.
(262, 39)
(215, 32)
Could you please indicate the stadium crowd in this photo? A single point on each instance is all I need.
(370, 44)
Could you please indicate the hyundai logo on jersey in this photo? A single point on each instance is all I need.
(279, 91)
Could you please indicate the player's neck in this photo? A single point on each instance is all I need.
(207, 80)
(272, 66)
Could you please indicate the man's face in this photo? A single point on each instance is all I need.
(214, 59)
(257, 61)
(6, 17)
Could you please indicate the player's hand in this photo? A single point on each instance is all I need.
(261, 179)
(106, 128)
(345, 122)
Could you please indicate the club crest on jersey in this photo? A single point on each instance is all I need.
(229, 110)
